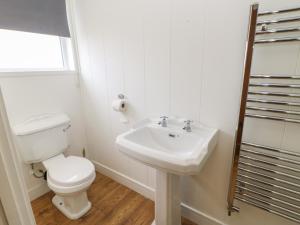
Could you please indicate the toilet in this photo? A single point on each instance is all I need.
(43, 139)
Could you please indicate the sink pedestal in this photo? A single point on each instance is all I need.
(167, 199)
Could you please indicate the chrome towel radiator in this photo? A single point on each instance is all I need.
(264, 176)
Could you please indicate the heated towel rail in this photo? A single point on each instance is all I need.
(264, 176)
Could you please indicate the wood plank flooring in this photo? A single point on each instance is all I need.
(112, 204)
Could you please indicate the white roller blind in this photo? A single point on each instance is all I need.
(37, 16)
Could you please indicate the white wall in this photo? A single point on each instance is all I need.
(33, 94)
(13, 188)
(169, 57)
(3, 220)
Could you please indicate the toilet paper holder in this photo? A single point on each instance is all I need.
(121, 96)
(119, 105)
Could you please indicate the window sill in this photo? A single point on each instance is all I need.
(37, 73)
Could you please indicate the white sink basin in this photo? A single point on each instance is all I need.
(171, 148)
(172, 151)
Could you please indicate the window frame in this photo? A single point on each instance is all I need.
(66, 69)
(50, 72)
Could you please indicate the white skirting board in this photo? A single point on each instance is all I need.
(38, 191)
(133, 184)
(198, 216)
(187, 211)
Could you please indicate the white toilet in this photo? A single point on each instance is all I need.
(44, 139)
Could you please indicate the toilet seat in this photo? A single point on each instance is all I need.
(69, 174)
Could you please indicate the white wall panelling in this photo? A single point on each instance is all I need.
(168, 57)
(174, 57)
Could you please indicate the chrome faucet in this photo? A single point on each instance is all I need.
(163, 122)
(187, 125)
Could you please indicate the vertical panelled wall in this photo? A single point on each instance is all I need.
(168, 57)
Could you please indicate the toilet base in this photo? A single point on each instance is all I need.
(72, 207)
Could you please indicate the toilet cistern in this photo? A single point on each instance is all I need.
(173, 152)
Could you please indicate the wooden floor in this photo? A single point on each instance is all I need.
(112, 204)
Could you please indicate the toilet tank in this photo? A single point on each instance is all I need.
(42, 137)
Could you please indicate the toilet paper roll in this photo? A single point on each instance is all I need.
(119, 105)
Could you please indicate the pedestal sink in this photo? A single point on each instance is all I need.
(173, 152)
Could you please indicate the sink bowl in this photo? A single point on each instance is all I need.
(173, 152)
(171, 148)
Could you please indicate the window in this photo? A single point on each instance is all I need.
(23, 51)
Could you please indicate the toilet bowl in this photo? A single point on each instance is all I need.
(69, 178)
(43, 139)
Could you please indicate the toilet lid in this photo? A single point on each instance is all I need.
(71, 171)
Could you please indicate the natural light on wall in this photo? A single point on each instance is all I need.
(23, 51)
